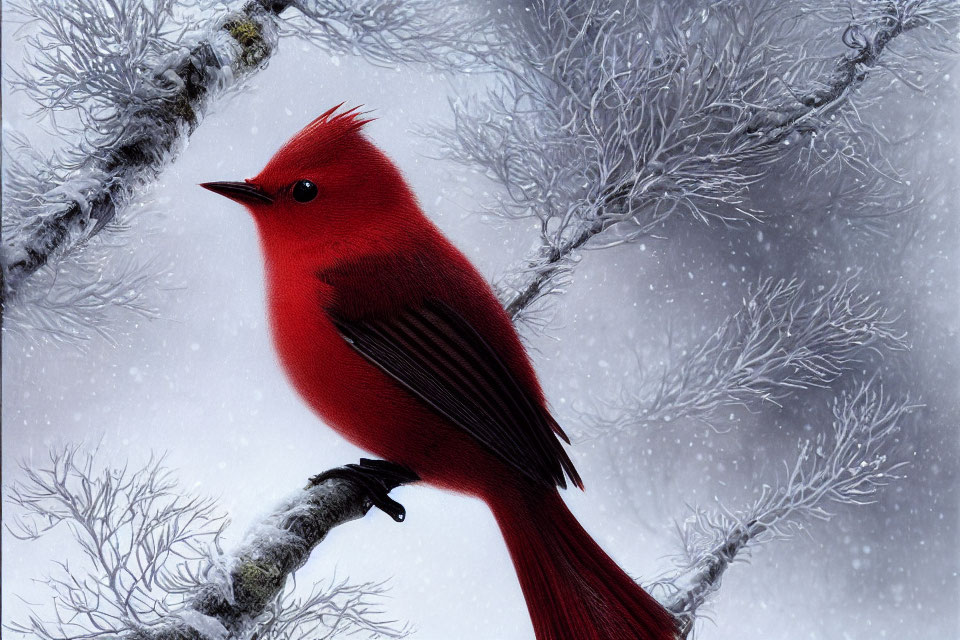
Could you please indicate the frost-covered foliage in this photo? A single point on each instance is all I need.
(782, 340)
(338, 608)
(843, 466)
(76, 297)
(124, 83)
(95, 60)
(76, 294)
(445, 36)
(870, 205)
(610, 117)
(143, 542)
(153, 564)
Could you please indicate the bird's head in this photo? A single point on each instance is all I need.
(328, 183)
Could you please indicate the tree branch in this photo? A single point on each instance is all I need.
(145, 127)
(687, 127)
(261, 567)
(603, 134)
(845, 466)
(782, 340)
(156, 571)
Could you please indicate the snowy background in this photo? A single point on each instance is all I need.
(201, 382)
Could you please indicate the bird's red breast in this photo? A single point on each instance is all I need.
(306, 288)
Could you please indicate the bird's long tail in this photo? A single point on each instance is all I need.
(574, 591)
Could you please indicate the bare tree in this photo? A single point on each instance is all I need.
(846, 465)
(779, 342)
(133, 529)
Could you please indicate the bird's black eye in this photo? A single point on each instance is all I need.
(304, 191)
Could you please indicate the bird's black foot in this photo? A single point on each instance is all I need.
(377, 477)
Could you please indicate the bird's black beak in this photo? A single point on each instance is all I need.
(242, 192)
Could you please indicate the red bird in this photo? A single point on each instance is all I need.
(395, 340)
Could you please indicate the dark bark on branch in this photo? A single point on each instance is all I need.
(137, 161)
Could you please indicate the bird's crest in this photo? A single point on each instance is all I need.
(319, 140)
(330, 126)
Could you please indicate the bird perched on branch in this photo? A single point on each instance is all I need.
(394, 339)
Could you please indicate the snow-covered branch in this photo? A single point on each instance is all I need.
(135, 79)
(611, 117)
(135, 86)
(781, 340)
(845, 465)
(154, 568)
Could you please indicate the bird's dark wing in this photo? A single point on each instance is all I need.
(435, 354)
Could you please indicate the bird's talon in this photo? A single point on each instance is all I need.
(377, 477)
(389, 506)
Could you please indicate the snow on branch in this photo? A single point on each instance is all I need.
(610, 117)
(153, 567)
(845, 465)
(76, 295)
(126, 82)
(130, 88)
(782, 339)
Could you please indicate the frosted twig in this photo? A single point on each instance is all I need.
(141, 540)
(443, 36)
(611, 117)
(781, 340)
(128, 74)
(846, 465)
(338, 608)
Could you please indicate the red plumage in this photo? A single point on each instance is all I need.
(396, 341)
